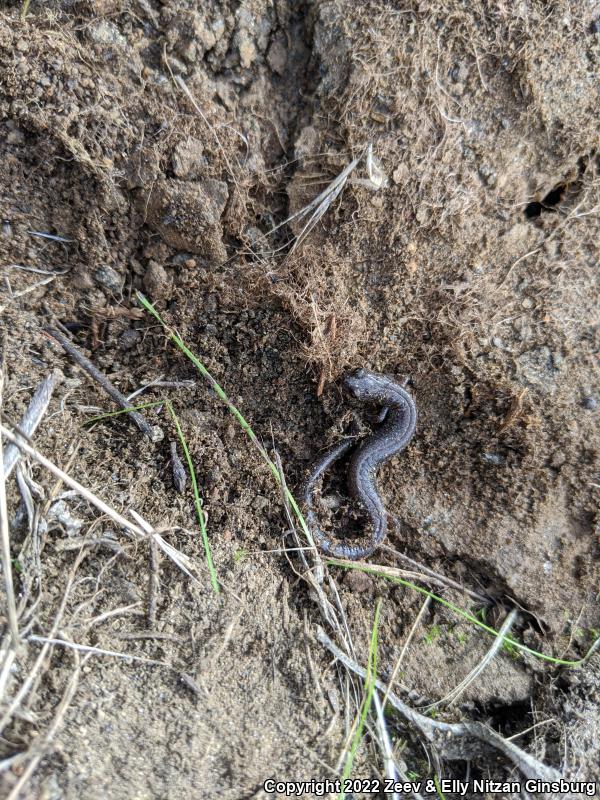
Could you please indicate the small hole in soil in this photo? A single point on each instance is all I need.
(551, 200)
(507, 717)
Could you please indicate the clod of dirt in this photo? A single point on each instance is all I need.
(106, 32)
(252, 34)
(358, 581)
(109, 278)
(277, 55)
(189, 162)
(188, 216)
(156, 281)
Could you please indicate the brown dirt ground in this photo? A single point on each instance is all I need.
(472, 269)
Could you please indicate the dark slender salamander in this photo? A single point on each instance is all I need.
(399, 419)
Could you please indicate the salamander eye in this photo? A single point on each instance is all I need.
(359, 373)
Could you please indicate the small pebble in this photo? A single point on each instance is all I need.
(156, 282)
(493, 458)
(109, 278)
(129, 338)
(358, 581)
(589, 403)
(179, 473)
(332, 501)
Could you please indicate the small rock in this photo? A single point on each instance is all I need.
(331, 500)
(527, 303)
(277, 55)
(109, 278)
(156, 282)
(106, 32)
(188, 215)
(50, 789)
(358, 581)
(261, 504)
(205, 34)
(306, 144)
(247, 50)
(459, 73)
(422, 215)
(129, 338)
(538, 367)
(517, 239)
(493, 458)
(15, 136)
(188, 160)
(400, 174)
(589, 403)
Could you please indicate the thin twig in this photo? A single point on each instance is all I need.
(454, 695)
(30, 680)
(178, 470)
(159, 382)
(142, 529)
(5, 534)
(84, 648)
(411, 633)
(108, 387)
(27, 290)
(153, 585)
(31, 419)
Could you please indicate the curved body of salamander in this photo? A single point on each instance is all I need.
(399, 414)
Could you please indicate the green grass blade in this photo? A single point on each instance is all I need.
(465, 615)
(197, 498)
(370, 680)
(438, 787)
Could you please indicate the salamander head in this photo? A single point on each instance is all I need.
(365, 385)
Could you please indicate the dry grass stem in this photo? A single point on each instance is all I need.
(9, 588)
(386, 744)
(452, 697)
(111, 390)
(405, 647)
(84, 648)
(31, 419)
(141, 530)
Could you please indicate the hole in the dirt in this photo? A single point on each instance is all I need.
(508, 718)
(563, 191)
(549, 202)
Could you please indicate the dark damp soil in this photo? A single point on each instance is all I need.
(159, 143)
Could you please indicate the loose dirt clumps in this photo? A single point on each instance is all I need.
(195, 154)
